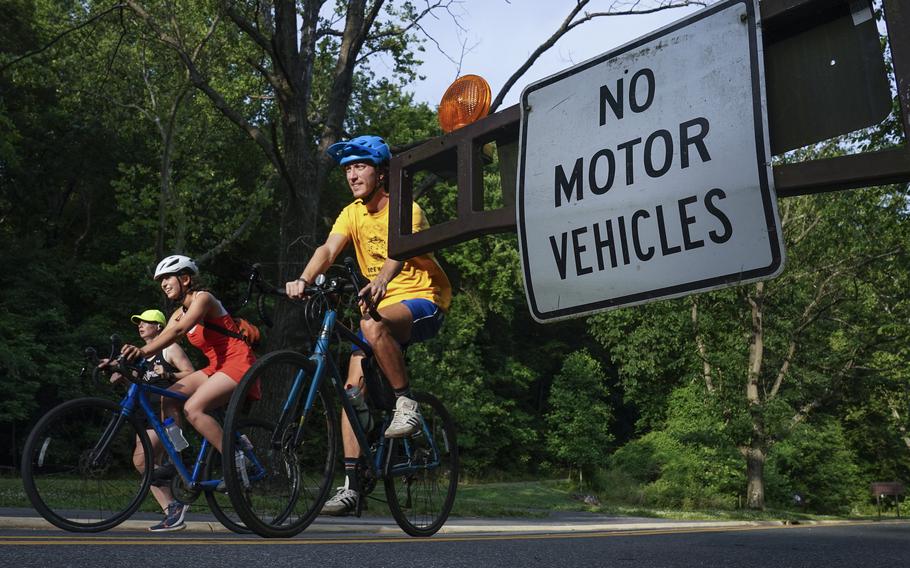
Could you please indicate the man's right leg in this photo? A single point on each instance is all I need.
(344, 502)
(386, 338)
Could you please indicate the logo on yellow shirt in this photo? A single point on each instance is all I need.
(377, 248)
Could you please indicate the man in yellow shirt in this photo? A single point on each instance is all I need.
(411, 296)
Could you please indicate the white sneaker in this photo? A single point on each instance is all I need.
(406, 420)
(344, 502)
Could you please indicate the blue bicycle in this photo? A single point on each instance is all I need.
(83, 466)
(420, 473)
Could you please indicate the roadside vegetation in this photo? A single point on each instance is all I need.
(550, 499)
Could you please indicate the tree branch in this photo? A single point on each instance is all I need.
(811, 313)
(60, 36)
(570, 23)
(562, 30)
(808, 316)
(208, 35)
(902, 429)
(252, 215)
(249, 29)
(276, 81)
(357, 24)
(203, 85)
(803, 413)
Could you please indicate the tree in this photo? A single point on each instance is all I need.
(773, 353)
(579, 417)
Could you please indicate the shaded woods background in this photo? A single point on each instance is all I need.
(135, 130)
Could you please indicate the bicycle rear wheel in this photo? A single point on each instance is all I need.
(296, 455)
(421, 475)
(220, 503)
(78, 465)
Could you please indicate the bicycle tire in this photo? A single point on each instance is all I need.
(421, 499)
(65, 487)
(297, 479)
(218, 502)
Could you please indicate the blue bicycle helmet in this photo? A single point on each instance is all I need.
(368, 148)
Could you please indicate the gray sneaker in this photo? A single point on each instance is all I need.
(343, 503)
(173, 521)
(406, 420)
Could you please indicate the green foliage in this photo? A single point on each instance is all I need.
(578, 421)
(650, 358)
(691, 463)
(494, 432)
(43, 330)
(816, 463)
(876, 423)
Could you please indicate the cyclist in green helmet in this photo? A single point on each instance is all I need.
(164, 368)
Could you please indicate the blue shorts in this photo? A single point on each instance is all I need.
(427, 319)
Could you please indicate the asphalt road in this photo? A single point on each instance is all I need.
(885, 544)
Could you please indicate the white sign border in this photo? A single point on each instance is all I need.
(763, 164)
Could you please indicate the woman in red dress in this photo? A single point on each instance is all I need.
(229, 357)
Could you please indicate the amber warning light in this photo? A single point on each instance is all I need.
(466, 100)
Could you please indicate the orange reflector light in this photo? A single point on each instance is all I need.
(466, 100)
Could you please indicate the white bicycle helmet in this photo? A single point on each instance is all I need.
(174, 264)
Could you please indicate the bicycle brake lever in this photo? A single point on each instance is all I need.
(371, 309)
(359, 284)
(115, 346)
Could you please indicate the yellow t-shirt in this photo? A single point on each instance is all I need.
(420, 277)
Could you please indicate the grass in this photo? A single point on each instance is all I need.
(12, 495)
(533, 499)
(524, 499)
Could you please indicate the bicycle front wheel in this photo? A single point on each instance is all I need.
(85, 468)
(421, 476)
(280, 488)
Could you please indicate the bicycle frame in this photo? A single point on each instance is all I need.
(136, 396)
(324, 363)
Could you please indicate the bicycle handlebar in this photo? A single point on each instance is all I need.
(353, 284)
(116, 363)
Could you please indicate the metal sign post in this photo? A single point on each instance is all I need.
(645, 173)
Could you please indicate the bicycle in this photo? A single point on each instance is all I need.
(420, 474)
(78, 462)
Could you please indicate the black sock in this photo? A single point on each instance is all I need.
(406, 391)
(350, 470)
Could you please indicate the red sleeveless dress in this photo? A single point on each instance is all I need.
(226, 354)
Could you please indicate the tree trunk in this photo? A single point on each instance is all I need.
(755, 476)
(755, 451)
(298, 228)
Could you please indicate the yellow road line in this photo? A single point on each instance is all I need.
(193, 541)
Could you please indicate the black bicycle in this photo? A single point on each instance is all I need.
(420, 473)
(79, 465)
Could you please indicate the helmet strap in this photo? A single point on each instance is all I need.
(379, 185)
(370, 196)
(183, 291)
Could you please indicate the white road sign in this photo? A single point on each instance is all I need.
(645, 173)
